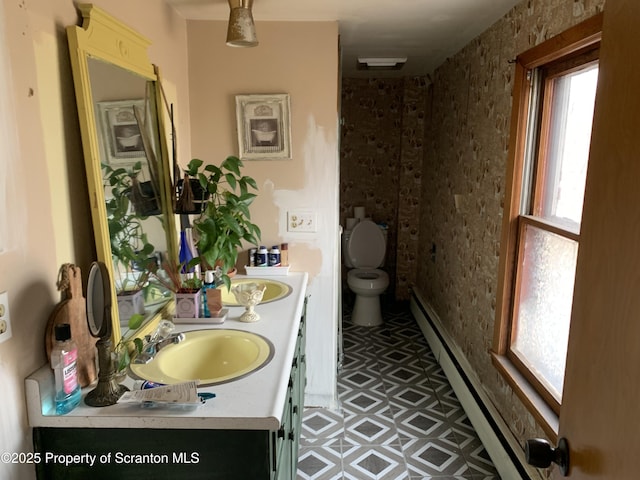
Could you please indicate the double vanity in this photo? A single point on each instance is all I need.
(249, 430)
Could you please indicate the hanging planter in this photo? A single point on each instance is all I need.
(190, 196)
(143, 198)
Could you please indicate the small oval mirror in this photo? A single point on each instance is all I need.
(99, 301)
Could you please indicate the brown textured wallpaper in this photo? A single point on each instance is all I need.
(381, 165)
(466, 142)
(411, 146)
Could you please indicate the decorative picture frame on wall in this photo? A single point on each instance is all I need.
(264, 126)
(123, 144)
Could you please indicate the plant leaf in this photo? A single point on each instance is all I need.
(124, 359)
(135, 321)
(231, 180)
(250, 181)
(232, 164)
(193, 166)
(138, 344)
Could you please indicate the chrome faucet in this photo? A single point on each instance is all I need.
(151, 348)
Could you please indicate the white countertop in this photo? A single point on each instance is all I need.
(254, 402)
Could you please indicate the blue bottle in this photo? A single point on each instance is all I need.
(185, 255)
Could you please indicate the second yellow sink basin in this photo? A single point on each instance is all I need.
(275, 290)
(211, 356)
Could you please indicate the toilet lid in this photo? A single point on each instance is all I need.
(366, 245)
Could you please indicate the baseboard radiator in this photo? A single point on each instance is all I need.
(502, 447)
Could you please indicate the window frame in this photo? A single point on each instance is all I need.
(553, 56)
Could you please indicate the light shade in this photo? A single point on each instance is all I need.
(241, 31)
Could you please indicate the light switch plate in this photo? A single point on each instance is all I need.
(5, 323)
(302, 221)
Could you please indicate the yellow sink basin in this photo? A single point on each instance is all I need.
(211, 356)
(275, 290)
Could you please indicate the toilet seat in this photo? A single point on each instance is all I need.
(368, 279)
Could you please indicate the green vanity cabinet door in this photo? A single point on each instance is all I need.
(282, 452)
(287, 464)
(285, 460)
(300, 384)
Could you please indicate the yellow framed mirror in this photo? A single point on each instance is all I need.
(122, 125)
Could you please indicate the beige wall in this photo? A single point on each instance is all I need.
(466, 146)
(301, 59)
(44, 219)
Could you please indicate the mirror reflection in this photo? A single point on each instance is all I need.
(126, 162)
(125, 107)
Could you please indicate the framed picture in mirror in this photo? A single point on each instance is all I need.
(264, 126)
(123, 142)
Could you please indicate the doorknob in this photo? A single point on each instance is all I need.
(539, 453)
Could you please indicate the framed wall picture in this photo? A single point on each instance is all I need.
(121, 136)
(264, 126)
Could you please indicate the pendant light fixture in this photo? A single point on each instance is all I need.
(241, 31)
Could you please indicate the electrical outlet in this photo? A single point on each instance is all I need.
(5, 324)
(302, 221)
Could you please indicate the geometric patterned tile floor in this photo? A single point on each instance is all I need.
(399, 417)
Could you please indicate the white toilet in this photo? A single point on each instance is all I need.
(364, 252)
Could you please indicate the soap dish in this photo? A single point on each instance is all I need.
(220, 318)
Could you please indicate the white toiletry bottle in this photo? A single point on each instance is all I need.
(274, 256)
(64, 356)
(262, 258)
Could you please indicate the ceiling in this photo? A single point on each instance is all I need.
(424, 31)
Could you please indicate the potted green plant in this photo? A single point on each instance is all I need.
(225, 221)
(186, 289)
(130, 249)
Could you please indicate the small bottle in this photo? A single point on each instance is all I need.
(261, 257)
(274, 256)
(64, 356)
(209, 282)
(185, 256)
(284, 255)
(252, 257)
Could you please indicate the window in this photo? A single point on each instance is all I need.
(554, 96)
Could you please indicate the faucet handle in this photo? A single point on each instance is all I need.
(151, 348)
(162, 331)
